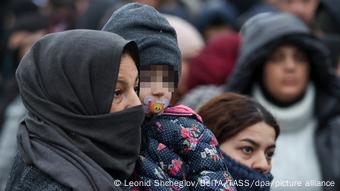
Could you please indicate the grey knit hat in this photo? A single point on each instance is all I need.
(156, 39)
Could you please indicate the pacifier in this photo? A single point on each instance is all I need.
(155, 106)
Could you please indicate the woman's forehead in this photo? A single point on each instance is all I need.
(259, 132)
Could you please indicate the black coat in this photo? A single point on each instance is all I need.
(29, 178)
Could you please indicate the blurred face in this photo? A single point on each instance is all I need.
(157, 85)
(286, 73)
(125, 95)
(305, 9)
(253, 147)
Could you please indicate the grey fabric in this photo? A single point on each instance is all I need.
(262, 34)
(156, 39)
(333, 8)
(67, 82)
(259, 30)
(30, 178)
(198, 96)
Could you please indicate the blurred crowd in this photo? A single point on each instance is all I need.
(218, 53)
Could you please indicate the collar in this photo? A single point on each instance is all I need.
(294, 117)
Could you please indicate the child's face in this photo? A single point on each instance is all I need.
(157, 83)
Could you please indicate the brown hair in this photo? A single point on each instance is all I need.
(230, 113)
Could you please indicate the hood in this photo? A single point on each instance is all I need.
(262, 34)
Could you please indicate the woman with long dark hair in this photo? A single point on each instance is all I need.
(247, 133)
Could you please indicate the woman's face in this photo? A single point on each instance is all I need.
(253, 147)
(125, 95)
(286, 73)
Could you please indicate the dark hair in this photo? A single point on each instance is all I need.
(132, 49)
(230, 113)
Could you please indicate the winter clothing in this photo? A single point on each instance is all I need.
(246, 179)
(257, 34)
(184, 149)
(333, 43)
(32, 178)
(259, 8)
(216, 13)
(298, 128)
(69, 133)
(14, 114)
(332, 6)
(156, 39)
(215, 62)
(261, 35)
(328, 17)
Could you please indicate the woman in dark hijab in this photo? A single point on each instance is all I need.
(82, 131)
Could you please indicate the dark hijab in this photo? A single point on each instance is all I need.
(67, 82)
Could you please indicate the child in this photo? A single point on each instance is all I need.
(177, 147)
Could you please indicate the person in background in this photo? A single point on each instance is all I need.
(78, 134)
(247, 133)
(62, 15)
(215, 62)
(25, 31)
(214, 18)
(288, 71)
(209, 70)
